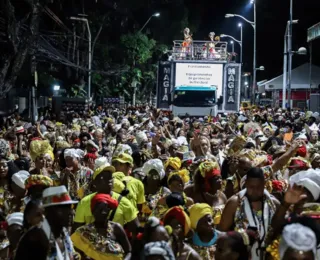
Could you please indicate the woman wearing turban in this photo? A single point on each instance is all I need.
(180, 224)
(35, 185)
(297, 242)
(172, 164)
(176, 184)
(39, 151)
(154, 172)
(75, 176)
(102, 239)
(205, 235)
(207, 188)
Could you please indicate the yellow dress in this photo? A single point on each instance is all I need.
(97, 246)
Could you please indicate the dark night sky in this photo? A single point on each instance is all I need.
(271, 22)
(272, 16)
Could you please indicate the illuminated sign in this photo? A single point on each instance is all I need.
(199, 75)
(164, 87)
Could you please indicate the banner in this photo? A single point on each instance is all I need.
(199, 75)
(164, 85)
(232, 74)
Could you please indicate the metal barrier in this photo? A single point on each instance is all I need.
(200, 50)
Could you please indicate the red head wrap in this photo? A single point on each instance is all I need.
(269, 160)
(302, 151)
(297, 163)
(90, 156)
(278, 186)
(209, 170)
(179, 214)
(105, 198)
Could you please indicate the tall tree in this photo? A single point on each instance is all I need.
(20, 31)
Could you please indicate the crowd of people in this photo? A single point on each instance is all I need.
(139, 183)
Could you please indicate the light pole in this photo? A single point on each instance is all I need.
(285, 64)
(253, 24)
(85, 20)
(154, 15)
(241, 40)
(290, 54)
(235, 40)
(254, 50)
(301, 51)
(232, 45)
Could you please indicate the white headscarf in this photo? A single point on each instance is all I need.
(141, 137)
(122, 148)
(74, 153)
(100, 161)
(159, 248)
(20, 177)
(15, 218)
(154, 164)
(309, 179)
(298, 237)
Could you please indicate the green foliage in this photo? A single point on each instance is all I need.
(138, 47)
(77, 91)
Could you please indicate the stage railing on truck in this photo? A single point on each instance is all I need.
(201, 50)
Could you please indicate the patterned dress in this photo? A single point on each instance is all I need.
(6, 200)
(150, 206)
(78, 183)
(97, 246)
(205, 250)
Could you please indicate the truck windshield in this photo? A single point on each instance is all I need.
(194, 98)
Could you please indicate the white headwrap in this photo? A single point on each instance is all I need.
(302, 136)
(100, 130)
(154, 164)
(309, 179)
(122, 148)
(182, 140)
(100, 161)
(314, 127)
(141, 137)
(20, 177)
(15, 218)
(159, 248)
(298, 237)
(74, 153)
(60, 139)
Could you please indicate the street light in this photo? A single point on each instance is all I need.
(232, 45)
(85, 20)
(301, 51)
(229, 15)
(260, 68)
(234, 40)
(154, 15)
(285, 64)
(56, 87)
(253, 24)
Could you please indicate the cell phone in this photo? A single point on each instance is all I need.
(252, 228)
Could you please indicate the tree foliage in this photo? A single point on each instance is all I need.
(138, 47)
(19, 35)
(122, 56)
